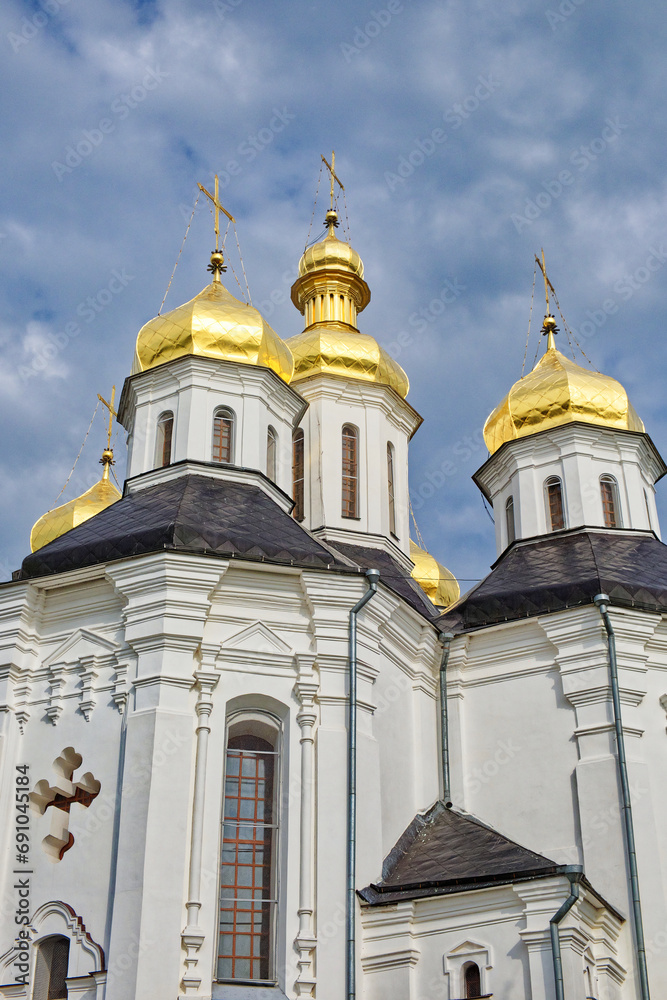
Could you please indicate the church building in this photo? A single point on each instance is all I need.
(255, 745)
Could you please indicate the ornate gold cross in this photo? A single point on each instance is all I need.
(218, 208)
(107, 455)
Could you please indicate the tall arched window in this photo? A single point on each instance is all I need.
(509, 520)
(223, 435)
(554, 499)
(390, 488)
(271, 453)
(610, 505)
(51, 969)
(248, 880)
(350, 479)
(298, 474)
(165, 430)
(472, 981)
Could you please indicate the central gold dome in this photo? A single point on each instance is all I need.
(213, 325)
(559, 391)
(330, 292)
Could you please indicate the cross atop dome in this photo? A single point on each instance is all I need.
(217, 264)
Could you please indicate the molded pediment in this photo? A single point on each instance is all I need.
(82, 642)
(258, 638)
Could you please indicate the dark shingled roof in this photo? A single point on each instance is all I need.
(391, 573)
(191, 513)
(563, 570)
(444, 852)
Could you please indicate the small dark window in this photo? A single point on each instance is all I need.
(165, 430)
(472, 981)
(554, 496)
(223, 436)
(350, 472)
(390, 488)
(509, 519)
(609, 493)
(51, 969)
(298, 475)
(271, 449)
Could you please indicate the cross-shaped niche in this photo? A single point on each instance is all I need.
(61, 796)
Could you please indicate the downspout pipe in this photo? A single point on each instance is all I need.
(446, 639)
(602, 602)
(373, 576)
(574, 873)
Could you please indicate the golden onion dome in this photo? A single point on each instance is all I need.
(340, 351)
(213, 325)
(56, 522)
(331, 253)
(559, 391)
(439, 585)
(330, 291)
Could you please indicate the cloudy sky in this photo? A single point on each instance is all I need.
(467, 134)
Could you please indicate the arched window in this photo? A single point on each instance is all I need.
(223, 435)
(165, 430)
(509, 520)
(271, 452)
(648, 509)
(350, 471)
(298, 475)
(390, 488)
(554, 499)
(51, 969)
(472, 982)
(248, 880)
(610, 505)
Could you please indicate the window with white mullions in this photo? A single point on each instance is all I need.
(350, 478)
(247, 871)
(610, 505)
(163, 438)
(554, 500)
(223, 436)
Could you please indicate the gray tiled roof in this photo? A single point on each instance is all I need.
(569, 568)
(444, 851)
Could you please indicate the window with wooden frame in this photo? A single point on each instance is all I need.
(271, 453)
(51, 969)
(163, 438)
(472, 981)
(223, 436)
(248, 878)
(553, 489)
(350, 478)
(298, 470)
(610, 505)
(509, 520)
(391, 488)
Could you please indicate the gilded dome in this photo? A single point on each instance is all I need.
(213, 325)
(439, 585)
(331, 253)
(56, 522)
(336, 350)
(559, 391)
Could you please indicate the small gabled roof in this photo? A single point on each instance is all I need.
(444, 851)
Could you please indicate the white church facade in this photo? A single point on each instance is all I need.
(253, 742)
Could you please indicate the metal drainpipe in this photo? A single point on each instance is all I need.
(602, 602)
(446, 638)
(574, 873)
(373, 576)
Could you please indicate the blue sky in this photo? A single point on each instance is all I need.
(468, 135)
